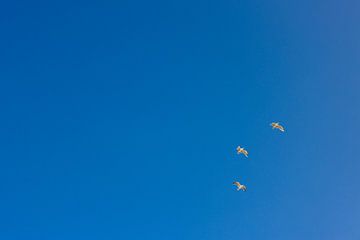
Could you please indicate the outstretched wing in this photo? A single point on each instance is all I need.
(245, 152)
(236, 184)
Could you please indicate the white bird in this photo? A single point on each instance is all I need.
(241, 150)
(277, 126)
(239, 186)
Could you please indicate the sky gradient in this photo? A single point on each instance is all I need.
(120, 119)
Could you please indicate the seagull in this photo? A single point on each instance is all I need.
(278, 126)
(239, 186)
(241, 150)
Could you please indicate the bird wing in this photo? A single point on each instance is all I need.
(245, 153)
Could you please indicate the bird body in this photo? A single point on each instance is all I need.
(240, 186)
(277, 126)
(241, 150)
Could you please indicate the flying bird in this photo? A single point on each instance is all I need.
(277, 126)
(239, 186)
(241, 150)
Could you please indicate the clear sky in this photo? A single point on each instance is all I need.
(120, 119)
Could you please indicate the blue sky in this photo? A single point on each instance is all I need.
(120, 119)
